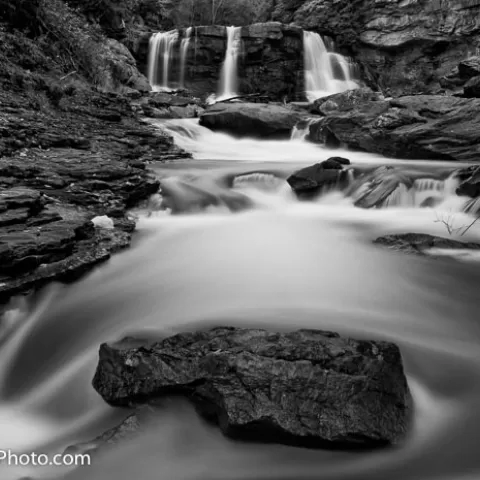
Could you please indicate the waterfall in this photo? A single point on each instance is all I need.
(160, 53)
(184, 53)
(229, 75)
(326, 72)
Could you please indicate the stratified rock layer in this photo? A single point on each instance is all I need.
(408, 46)
(270, 62)
(307, 387)
(415, 127)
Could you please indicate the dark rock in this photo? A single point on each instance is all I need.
(309, 182)
(469, 68)
(470, 178)
(340, 160)
(472, 88)
(415, 127)
(251, 119)
(83, 256)
(305, 388)
(420, 243)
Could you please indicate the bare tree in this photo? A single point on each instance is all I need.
(216, 8)
(448, 220)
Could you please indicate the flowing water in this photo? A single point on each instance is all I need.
(276, 263)
(229, 75)
(161, 51)
(326, 72)
(184, 47)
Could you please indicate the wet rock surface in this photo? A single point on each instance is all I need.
(60, 168)
(310, 181)
(407, 46)
(309, 388)
(420, 243)
(411, 127)
(252, 119)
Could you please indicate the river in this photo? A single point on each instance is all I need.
(246, 252)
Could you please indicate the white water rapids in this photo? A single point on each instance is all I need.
(279, 264)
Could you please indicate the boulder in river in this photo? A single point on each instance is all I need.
(252, 119)
(412, 127)
(308, 388)
(310, 181)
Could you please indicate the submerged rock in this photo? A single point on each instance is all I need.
(310, 181)
(308, 387)
(377, 188)
(421, 243)
(251, 119)
(414, 127)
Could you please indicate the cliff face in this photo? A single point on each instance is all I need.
(271, 59)
(409, 45)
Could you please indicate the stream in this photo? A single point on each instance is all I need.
(246, 252)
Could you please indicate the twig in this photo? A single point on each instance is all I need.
(250, 95)
(68, 74)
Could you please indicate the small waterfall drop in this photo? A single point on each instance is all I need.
(159, 59)
(229, 75)
(326, 72)
(184, 46)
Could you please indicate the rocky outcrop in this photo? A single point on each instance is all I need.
(252, 119)
(311, 181)
(63, 164)
(421, 244)
(409, 46)
(411, 127)
(306, 388)
(168, 106)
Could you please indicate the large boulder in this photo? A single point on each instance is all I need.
(411, 127)
(252, 119)
(307, 387)
(310, 181)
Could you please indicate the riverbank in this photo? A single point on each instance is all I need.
(69, 153)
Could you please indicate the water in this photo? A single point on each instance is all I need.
(229, 75)
(277, 263)
(161, 50)
(184, 47)
(326, 72)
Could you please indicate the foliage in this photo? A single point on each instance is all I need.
(222, 12)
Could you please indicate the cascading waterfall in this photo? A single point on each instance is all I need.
(161, 53)
(229, 75)
(184, 54)
(326, 72)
